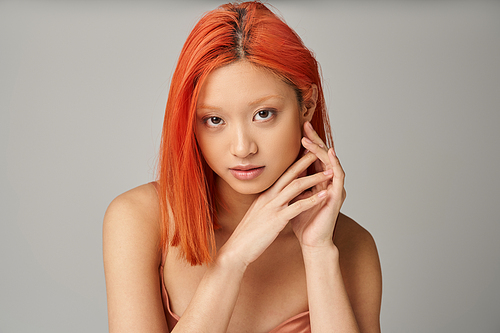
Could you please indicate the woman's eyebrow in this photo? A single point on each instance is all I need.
(260, 100)
(205, 106)
(257, 101)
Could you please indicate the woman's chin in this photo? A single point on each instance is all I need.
(242, 187)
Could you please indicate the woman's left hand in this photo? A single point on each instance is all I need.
(314, 227)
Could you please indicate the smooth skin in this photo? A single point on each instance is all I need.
(276, 254)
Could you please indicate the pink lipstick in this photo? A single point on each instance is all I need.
(246, 172)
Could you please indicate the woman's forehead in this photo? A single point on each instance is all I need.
(244, 82)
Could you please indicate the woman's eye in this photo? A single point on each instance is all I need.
(264, 114)
(213, 121)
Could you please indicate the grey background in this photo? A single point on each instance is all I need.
(414, 95)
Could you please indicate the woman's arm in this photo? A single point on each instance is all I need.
(329, 306)
(346, 300)
(212, 305)
(333, 306)
(131, 260)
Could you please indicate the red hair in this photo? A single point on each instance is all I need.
(246, 31)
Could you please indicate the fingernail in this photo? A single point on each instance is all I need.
(307, 140)
(310, 126)
(328, 172)
(322, 194)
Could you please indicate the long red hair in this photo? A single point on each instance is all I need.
(245, 31)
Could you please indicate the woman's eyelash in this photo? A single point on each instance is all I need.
(265, 114)
(213, 121)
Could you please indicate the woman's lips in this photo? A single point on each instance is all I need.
(246, 173)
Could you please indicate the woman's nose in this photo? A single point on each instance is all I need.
(243, 143)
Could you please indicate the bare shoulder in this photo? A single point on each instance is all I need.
(132, 219)
(141, 200)
(131, 235)
(360, 266)
(356, 247)
(351, 238)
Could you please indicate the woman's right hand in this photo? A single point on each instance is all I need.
(271, 212)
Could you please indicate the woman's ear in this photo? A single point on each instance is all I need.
(309, 104)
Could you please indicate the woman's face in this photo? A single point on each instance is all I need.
(248, 127)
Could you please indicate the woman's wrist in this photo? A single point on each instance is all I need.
(320, 252)
(229, 260)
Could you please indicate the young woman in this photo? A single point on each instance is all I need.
(242, 232)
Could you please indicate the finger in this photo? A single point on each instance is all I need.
(312, 135)
(304, 195)
(338, 171)
(320, 152)
(293, 172)
(302, 205)
(320, 167)
(299, 185)
(338, 174)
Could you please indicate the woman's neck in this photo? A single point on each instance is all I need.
(231, 206)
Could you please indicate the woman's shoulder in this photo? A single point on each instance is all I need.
(133, 218)
(360, 265)
(140, 203)
(141, 197)
(352, 237)
(359, 258)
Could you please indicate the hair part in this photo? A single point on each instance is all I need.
(246, 31)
